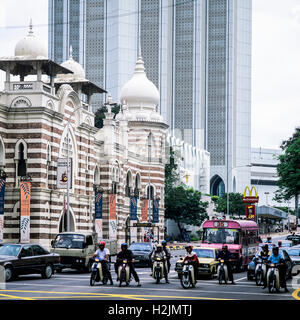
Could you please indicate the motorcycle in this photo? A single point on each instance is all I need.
(222, 272)
(187, 278)
(273, 281)
(97, 273)
(124, 273)
(158, 269)
(260, 271)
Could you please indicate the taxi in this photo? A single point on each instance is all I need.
(207, 258)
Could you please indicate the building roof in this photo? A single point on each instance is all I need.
(270, 213)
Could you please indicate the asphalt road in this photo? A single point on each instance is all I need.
(73, 285)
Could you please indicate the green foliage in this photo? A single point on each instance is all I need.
(184, 205)
(100, 114)
(236, 204)
(287, 210)
(215, 199)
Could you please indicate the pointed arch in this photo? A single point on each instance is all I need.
(62, 223)
(217, 186)
(128, 187)
(97, 175)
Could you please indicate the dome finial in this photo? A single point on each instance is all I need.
(30, 26)
(71, 52)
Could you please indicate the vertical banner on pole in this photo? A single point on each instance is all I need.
(2, 193)
(133, 218)
(145, 210)
(112, 217)
(98, 214)
(155, 211)
(25, 189)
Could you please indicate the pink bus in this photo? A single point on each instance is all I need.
(241, 236)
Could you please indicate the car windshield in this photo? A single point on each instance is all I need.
(204, 253)
(293, 252)
(9, 250)
(140, 247)
(73, 241)
(221, 235)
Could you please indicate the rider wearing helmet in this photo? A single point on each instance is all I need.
(264, 253)
(103, 255)
(277, 258)
(191, 256)
(168, 254)
(225, 255)
(159, 253)
(127, 254)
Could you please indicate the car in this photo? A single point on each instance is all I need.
(19, 259)
(287, 259)
(278, 229)
(294, 238)
(207, 258)
(284, 243)
(141, 253)
(294, 254)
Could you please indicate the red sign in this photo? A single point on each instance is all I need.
(250, 199)
(251, 212)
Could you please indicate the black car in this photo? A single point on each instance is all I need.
(141, 252)
(286, 257)
(294, 238)
(19, 259)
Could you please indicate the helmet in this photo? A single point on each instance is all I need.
(275, 249)
(123, 245)
(188, 246)
(164, 242)
(101, 243)
(159, 246)
(266, 247)
(224, 246)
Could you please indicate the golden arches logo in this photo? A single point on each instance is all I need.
(250, 191)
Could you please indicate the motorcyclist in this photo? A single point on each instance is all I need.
(226, 256)
(168, 254)
(159, 253)
(277, 258)
(264, 253)
(103, 255)
(127, 254)
(191, 256)
(269, 240)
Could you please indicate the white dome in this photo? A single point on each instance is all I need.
(71, 64)
(139, 90)
(31, 46)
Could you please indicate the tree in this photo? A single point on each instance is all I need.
(100, 114)
(184, 206)
(236, 204)
(288, 170)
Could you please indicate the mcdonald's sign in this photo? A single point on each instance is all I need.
(251, 212)
(250, 198)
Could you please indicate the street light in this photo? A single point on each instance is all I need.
(227, 195)
(68, 168)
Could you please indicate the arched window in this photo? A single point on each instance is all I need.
(48, 163)
(97, 176)
(21, 169)
(151, 192)
(217, 186)
(128, 187)
(137, 186)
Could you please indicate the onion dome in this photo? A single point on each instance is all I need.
(31, 46)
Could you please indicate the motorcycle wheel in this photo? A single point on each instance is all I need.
(122, 278)
(185, 282)
(157, 276)
(270, 286)
(258, 278)
(93, 278)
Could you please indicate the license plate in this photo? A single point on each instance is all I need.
(137, 260)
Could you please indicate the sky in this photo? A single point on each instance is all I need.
(275, 60)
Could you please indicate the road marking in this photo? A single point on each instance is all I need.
(240, 279)
(159, 289)
(295, 294)
(14, 297)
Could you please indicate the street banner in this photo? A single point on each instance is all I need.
(155, 211)
(98, 213)
(62, 176)
(145, 210)
(98, 205)
(112, 217)
(133, 208)
(2, 193)
(25, 190)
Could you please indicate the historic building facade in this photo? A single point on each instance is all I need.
(119, 161)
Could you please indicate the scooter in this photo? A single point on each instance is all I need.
(187, 278)
(158, 269)
(260, 271)
(273, 281)
(97, 273)
(124, 273)
(222, 272)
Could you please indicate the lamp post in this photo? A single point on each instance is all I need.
(68, 168)
(227, 195)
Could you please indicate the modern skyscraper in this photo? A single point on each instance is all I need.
(198, 54)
